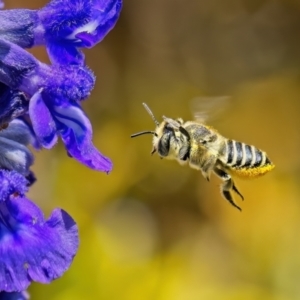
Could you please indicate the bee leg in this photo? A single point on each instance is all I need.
(184, 153)
(236, 190)
(227, 185)
(228, 197)
(208, 166)
(226, 176)
(206, 175)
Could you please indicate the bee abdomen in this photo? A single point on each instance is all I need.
(246, 160)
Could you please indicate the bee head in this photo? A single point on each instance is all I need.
(166, 132)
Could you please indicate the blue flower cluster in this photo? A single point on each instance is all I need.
(38, 104)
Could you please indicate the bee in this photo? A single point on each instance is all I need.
(204, 149)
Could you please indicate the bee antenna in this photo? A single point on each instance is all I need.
(143, 132)
(151, 114)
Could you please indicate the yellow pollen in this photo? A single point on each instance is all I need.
(253, 172)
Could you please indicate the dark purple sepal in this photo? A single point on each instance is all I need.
(14, 296)
(42, 121)
(19, 131)
(33, 249)
(14, 154)
(31, 179)
(11, 182)
(18, 26)
(76, 132)
(26, 123)
(13, 104)
(15, 64)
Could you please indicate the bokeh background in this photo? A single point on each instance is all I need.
(155, 230)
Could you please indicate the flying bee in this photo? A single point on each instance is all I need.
(206, 150)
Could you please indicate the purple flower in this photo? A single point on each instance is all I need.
(63, 26)
(32, 248)
(54, 109)
(14, 296)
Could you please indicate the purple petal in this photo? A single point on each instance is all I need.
(42, 121)
(88, 40)
(64, 54)
(31, 248)
(106, 15)
(76, 132)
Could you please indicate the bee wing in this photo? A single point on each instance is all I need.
(208, 108)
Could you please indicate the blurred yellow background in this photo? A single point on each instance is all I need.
(155, 230)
